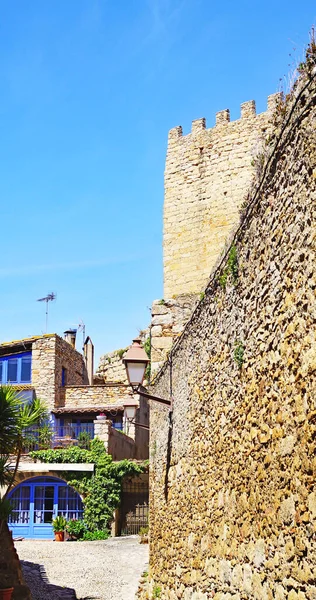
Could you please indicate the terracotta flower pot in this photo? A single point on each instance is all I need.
(59, 537)
(6, 593)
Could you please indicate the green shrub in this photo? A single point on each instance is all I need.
(76, 528)
(84, 440)
(90, 536)
(143, 530)
(101, 490)
(45, 436)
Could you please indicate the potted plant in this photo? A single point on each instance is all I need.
(143, 533)
(59, 524)
(101, 417)
(76, 529)
(84, 440)
(45, 436)
(6, 593)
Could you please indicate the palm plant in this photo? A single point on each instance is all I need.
(16, 416)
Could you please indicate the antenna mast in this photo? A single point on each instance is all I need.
(49, 298)
(82, 327)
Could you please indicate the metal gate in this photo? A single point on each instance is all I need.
(134, 507)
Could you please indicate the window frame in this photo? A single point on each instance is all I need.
(4, 360)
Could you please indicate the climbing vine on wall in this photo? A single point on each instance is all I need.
(101, 490)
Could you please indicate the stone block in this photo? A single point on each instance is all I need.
(165, 320)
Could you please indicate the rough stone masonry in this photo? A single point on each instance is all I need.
(233, 499)
(207, 175)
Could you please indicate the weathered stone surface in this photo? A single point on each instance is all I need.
(99, 396)
(207, 173)
(233, 505)
(10, 568)
(50, 354)
(111, 367)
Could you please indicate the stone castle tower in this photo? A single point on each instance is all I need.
(207, 176)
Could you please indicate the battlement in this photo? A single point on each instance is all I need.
(207, 174)
(247, 111)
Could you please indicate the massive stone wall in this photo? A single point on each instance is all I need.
(207, 175)
(233, 500)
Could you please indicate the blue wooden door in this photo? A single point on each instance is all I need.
(44, 509)
(36, 502)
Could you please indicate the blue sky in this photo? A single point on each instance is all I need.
(90, 89)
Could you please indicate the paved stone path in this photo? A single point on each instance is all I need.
(102, 570)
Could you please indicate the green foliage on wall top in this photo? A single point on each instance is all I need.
(101, 490)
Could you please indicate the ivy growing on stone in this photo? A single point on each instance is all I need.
(239, 354)
(101, 490)
(147, 348)
(231, 268)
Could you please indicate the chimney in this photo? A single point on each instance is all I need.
(88, 350)
(70, 337)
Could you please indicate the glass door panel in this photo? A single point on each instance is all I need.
(20, 502)
(43, 504)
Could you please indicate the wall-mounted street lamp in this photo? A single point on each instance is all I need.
(136, 361)
(130, 408)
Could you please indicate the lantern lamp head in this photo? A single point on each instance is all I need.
(135, 361)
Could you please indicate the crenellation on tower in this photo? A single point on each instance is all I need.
(174, 134)
(273, 100)
(248, 110)
(207, 175)
(223, 117)
(198, 125)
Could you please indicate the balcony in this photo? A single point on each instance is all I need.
(59, 436)
(73, 435)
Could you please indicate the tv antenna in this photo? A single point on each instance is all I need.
(49, 298)
(82, 327)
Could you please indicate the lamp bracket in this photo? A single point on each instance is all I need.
(140, 390)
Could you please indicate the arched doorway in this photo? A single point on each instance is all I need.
(37, 501)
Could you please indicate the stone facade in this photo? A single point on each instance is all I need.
(50, 354)
(89, 396)
(207, 175)
(233, 502)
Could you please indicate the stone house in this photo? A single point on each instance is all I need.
(80, 408)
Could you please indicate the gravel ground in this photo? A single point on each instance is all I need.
(102, 570)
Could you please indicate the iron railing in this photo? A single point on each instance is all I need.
(75, 434)
(58, 436)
